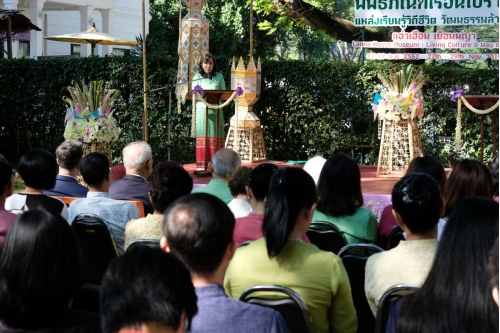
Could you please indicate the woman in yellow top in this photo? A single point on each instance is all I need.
(281, 258)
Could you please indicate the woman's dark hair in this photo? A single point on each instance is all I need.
(339, 186)
(38, 168)
(168, 182)
(290, 191)
(468, 178)
(203, 60)
(146, 285)
(456, 296)
(259, 180)
(239, 181)
(494, 175)
(417, 199)
(41, 268)
(430, 166)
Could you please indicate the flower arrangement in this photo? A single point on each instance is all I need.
(89, 115)
(400, 95)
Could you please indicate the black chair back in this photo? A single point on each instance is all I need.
(245, 243)
(387, 300)
(144, 242)
(97, 244)
(292, 308)
(326, 236)
(395, 236)
(354, 257)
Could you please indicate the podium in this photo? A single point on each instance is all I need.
(212, 97)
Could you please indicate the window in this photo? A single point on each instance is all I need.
(75, 50)
(120, 52)
(24, 49)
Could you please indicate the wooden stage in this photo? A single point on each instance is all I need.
(369, 183)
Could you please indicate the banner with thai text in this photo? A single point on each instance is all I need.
(440, 40)
(431, 56)
(405, 13)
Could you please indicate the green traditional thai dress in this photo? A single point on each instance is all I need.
(214, 143)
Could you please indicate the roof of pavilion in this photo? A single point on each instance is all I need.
(19, 22)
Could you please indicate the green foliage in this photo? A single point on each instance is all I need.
(305, 107)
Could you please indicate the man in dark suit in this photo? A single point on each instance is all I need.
(138, 162)
(68, 154)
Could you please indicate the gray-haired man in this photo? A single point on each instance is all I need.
(224, 164)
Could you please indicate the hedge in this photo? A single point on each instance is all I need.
(306, 108)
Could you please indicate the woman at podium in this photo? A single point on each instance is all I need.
(209, 79)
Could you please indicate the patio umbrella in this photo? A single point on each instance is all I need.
(93, 37)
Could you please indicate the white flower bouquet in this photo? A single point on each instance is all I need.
(400, 94)
(89, 115)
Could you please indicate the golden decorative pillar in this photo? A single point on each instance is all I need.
(245, 133)
(99, 147)
(194, 37)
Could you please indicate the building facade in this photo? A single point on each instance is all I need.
(122, 18)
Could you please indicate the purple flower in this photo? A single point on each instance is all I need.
(456, 95)
(408, 111)
(239, 91)
(197, 89)
(87, 134)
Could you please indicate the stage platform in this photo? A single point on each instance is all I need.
(369, 183)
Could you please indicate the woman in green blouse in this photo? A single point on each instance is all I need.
(340, 201)
(209, 79)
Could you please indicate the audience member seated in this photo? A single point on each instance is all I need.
(199, 231)
(224, 164)
(41, 268)
(469, 178)
(433, 168)
(138, 162)
(240, 206)
(493, 271)
(68, 154)
(456, 296)
(340, 201)
(167, 182)
(417, 205)
(314, 166)
(38, 169)
(147, 290)
(494, 177)
(282, 258)
(249, 228)
(6, 190)
(116, 214)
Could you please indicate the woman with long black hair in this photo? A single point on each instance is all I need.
(282, 258)
(456, 296)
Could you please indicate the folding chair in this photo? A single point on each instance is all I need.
(144, 242)
(387, 300)
(245, 243)
(326, 236)
(97, 244)
(395, 236)
(292, 308)
(354, 257)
